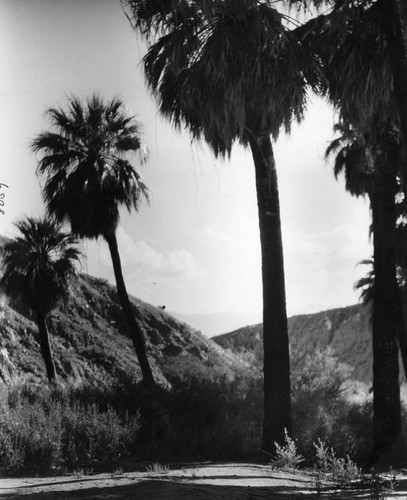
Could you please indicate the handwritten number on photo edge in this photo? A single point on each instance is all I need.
(1, 197)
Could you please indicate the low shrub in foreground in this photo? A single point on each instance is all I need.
(215, 419)
(321, 410)
(91, 437)
(40, 432)
(30, 437)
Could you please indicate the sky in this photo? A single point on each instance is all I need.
(195, 248)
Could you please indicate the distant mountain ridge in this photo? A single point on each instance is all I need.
(346, 330)
(219, 322)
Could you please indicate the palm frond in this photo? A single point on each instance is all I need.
(351, 46)
(352, 158)
(365, 285)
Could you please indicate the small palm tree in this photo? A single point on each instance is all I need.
(38, 267)
(89, 176)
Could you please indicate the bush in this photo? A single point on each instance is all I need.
(322, 411)
(91, 437)
(287, 454)
(210, 415)
(215, 419)
(30, 437)
(41, 430)
(340, 470)
(206, 414)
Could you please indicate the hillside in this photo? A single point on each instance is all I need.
(346, 330)
(90, 343)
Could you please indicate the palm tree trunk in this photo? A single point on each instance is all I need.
(277, 400)
(402, 329)
(386, 315)
(134, 327)
(45, 346)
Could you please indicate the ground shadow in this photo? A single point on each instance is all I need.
(177, 490)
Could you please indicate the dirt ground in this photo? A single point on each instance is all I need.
(190, 482)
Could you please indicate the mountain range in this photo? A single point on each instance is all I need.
(90, 342)
(346, 331)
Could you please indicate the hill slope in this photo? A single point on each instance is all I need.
(90, 343)
(346, 330)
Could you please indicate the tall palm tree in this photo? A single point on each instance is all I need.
(86, 160)
(359, 64)
(370, 165)
(230, 70)
(38, 267)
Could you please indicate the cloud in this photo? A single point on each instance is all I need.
(321, 267)
(140, 261)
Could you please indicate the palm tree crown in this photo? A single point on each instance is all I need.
(228, 69)
(89, 175)
(39, 264)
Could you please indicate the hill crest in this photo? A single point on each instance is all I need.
(345, 330)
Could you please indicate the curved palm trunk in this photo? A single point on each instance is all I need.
(135, 329)
(277, 400)
(386, 315)
(45, 346)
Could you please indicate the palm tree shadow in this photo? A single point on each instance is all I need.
(177, 490)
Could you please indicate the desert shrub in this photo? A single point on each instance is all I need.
(213, 419)
(340, 470)
(30, 437)
(215, 415)
(322, 411)
(287, 454)
(91, 437)
(205, 414)
(42, 429)
(188, 367)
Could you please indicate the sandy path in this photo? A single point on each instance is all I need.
(223, 482)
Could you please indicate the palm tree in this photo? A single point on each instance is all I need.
(358, 62)
(230, 70)
(89, 176)
(38, 267)
(370, 165)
